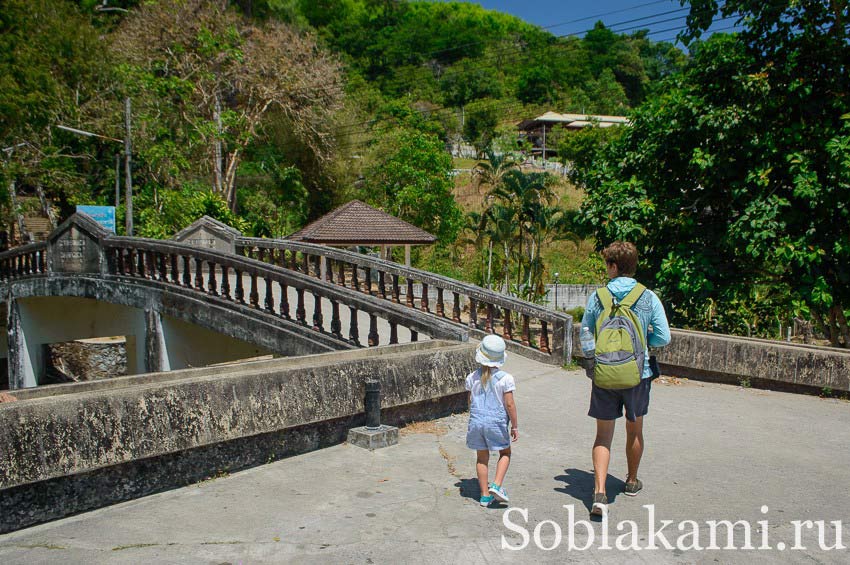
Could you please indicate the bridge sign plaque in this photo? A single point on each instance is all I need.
(208, 233)
(75, 246)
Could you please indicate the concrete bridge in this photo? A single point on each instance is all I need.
(212, 295)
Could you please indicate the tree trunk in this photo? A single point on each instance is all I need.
(230, 179)
(842, 324)
(489, 262)
(833, 329)
(217, 173)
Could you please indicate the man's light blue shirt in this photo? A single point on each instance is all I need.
(649, 311)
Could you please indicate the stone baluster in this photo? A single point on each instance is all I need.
(506, 325)
(306, 259)
(293, 261)
(544, 337)
(488, 327)
(261, 254)
(140, 263)
(284, 301)
(150, 263)
(396, 290)
(368, 281)
(269, 301)
(441, 308)
(355, 283)
(255, 293)
(393, 333)
(240, 288)
(212, 284)
(225, 282)
(318, 318)
(423, 301)
(414, 336)
(353, 332)
(409, 299)
(456, 307)
(373, 331)
(300, 311)
(336, 323)
(187, 271)
(526, 338)
(199, 274)
(175, 269)
(382, 285)
(473, 313)
(318, 266)
(186, 275)
(162, 267)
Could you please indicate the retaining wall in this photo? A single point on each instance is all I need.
(71, 448)
(726, 358)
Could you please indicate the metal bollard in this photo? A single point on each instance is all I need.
(373, 404)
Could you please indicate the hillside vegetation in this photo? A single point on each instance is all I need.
(732, 178)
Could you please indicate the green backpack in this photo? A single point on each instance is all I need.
(620, 341)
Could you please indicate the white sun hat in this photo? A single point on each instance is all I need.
(491, 351)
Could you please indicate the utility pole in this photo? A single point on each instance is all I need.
(117, 180)
(217, 173)
(128, 180)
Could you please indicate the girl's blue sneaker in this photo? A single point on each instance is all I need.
(485, 501)
(499, 493)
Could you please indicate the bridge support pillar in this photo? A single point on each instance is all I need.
(156, 352)
(22, 361)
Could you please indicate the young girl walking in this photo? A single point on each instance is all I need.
(491, 407)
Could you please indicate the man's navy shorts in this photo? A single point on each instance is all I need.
(608, 404)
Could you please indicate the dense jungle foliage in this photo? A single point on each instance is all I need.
(732, 178)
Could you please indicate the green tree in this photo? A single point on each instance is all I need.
(410, 177)
(729, 179)
(479, 128)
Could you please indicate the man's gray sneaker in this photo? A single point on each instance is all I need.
(632, 488)
(600, 504)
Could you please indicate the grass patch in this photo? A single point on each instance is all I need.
(134, 546)
(426, 427)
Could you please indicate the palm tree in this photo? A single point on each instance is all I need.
(526, 194)
(491, 171)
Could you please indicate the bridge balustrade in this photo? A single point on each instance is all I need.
(523, 325)
(265, 287)
(22, 261)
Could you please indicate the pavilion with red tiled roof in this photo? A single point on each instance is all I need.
(357, 223)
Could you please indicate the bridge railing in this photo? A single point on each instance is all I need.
(210, 272)
(528, 328)
(30, 259)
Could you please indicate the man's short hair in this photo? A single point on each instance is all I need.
(624, 254)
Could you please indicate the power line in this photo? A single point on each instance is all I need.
(355, 128)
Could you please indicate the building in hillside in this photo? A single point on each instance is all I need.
(355, 224)
(535, 130)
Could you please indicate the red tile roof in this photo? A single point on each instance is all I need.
(357, 223)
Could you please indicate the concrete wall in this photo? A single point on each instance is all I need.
(725, 358)
(75, 447)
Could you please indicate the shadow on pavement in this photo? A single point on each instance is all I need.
(469, 488)
(579, 484)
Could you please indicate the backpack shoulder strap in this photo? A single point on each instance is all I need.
(633, 296)
(605, 298)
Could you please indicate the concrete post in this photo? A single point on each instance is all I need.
(373, 404)
(21, 368)
(156, 354)
(373, 435)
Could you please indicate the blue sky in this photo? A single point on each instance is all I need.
(664, 18)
